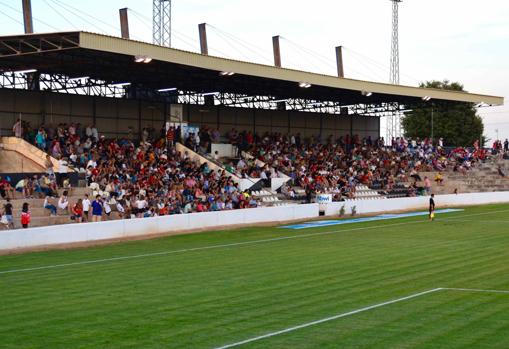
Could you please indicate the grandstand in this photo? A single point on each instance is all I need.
(79, 79)
(168, 142)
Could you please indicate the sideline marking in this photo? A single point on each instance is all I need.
(112, 259)
(290, 329)
(318, 224)
(335, 317)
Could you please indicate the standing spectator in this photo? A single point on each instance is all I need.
(18, 129)
(48, 204)
(25, 215)
(63, 202)
(62, 171)
(427, 185)
(8, 214)
(77, 211)
(49, 165)
(97, 209)
(506, 145)
(40, 139)
(86, 208)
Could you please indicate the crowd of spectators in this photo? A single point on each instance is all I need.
(339, 165)
(136, 179)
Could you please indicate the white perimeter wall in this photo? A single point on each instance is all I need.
(75, 233)
(416, 203)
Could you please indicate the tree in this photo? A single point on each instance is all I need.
(456, 122)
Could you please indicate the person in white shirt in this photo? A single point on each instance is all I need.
(107, 209)
(63, 202)
(95, 133)
(86, 207)
(62, 171)
(141, 205)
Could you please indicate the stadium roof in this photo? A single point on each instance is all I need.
(111, 59)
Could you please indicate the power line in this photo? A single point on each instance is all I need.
(58, 13)
(9, 16)
(35, 18)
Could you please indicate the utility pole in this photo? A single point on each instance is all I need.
(161, 22)
(393, 121)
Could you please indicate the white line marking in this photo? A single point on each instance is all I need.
(474, 290)
(225, 245)
(202, 248)
(335, 317)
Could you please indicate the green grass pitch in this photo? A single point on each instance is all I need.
(214, 289)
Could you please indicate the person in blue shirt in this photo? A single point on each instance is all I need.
(97, 209)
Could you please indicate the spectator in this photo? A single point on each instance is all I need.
(97, 209)
(48, 204)
(18, 129)
(77, 211)
(63, 202)
(427, 185)
(8, 214)
(86, 207)
(25, 215)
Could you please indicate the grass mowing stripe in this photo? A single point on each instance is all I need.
(331, 318)
(200, 300)
(121, 258)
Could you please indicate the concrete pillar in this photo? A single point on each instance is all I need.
(339, 61)
(27, 16)
(202, 29)
(124, 23)
(277, 51)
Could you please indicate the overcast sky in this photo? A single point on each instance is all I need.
(459, 40)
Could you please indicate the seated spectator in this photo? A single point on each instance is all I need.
(439, 178)
(63, 202)
(49, 205)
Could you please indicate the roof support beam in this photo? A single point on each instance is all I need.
(339, 61)
(27, 16)
(277, 51)
(124, 23)
(202, 30)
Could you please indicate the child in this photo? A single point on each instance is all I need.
(86, 208)
(77, 211)
(107, 209)
(97, 209)
(25, 216)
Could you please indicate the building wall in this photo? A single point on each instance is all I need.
(114, 117)
(292, 122)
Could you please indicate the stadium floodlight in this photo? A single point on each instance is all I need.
(209, 93)
(279, 100)
(426, 98)
(167, 89)
(27, 71)
(142, 59)
(304, 84)
(367, 93)
(227, 73)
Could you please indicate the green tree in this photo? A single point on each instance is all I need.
(456, 122)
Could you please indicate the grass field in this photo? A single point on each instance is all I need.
(214, 289)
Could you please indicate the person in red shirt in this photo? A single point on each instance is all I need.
(25, 215)
(77, 211)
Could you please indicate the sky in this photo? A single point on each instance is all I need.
(460, 40)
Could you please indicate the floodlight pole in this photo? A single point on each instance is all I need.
(161, 22)
(393, 121)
